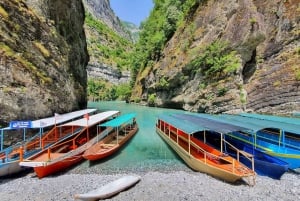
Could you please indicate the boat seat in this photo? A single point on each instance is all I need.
(107, 145)
(62, 148)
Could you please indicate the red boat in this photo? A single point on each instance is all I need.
(68, 152)
(123, 128)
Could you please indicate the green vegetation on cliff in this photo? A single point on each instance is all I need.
(157, 30)
(215, 61)
(106, 46)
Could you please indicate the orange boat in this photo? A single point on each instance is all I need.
(198, 155)
(48, 134)
(123, 128)
(68, 152)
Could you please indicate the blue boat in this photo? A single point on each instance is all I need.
(264, 164)
(272, 135)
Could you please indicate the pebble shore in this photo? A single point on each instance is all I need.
(154, 185)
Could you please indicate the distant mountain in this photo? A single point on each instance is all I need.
(101, 10)
(133, 30)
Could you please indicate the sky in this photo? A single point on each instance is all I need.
(134, 11)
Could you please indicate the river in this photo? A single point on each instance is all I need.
(146, 151)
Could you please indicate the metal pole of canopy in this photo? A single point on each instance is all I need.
(280, 135)
(24, 134)
(117, 135)
(283, 138)
(189, 144)
(204, 137)
(41, 137)
(177, 135)
(255, 139)
(1, 139)
(222, 142)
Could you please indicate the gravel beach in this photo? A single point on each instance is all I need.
(177, 185)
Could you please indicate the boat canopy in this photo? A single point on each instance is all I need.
(118, 121)
(56, 119)
(211, 124)
(288, 120)
(181, 124)
(91, 120)
(260, 124)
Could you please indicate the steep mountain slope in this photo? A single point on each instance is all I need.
(43, 57)
(229, 56)
(109, 47)
(102, 11)
(133, 30)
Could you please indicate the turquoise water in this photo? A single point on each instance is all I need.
(146, 151)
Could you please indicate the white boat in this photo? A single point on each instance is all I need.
(109, 189)
(10, 156)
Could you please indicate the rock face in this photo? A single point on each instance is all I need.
(107, 73)
(43, 57)
(264, 34)
(106, 37)
(101, 10)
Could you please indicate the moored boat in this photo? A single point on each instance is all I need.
(124, 127)
(68, 152)
(178, 133)
(278, 139)
(10, 156)
(264, 164)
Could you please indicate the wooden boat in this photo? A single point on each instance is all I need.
(178, 133)
(264, 164)
(109, 189)
(278, 139)
(68, 152)
(124, 128)
(274, 136)
(48, 133)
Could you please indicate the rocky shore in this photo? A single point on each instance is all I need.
(154, 185)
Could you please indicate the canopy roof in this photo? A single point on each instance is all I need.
(289, 120)
(182, 124)
(118, 121)
(259, 124)
(210, 124)
(57, 119)
(92, 120)
(253, 124)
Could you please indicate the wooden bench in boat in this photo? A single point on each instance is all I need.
(106, 146)
(62, 148)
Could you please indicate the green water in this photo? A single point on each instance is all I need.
(146, 151)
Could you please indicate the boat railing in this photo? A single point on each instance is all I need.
(104, 133)
(207, 155)
(239, 152)
(270, 137)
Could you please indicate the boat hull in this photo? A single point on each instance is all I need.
(199, 165)
(10, 168)
(43, 171)
(286, 154)
(110, 189)
(97, 153)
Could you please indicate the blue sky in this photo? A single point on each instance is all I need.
(134, 11)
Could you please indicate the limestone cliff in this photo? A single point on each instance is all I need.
(262, 42)
(101, 10)
(43, 57)
(108, 44)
